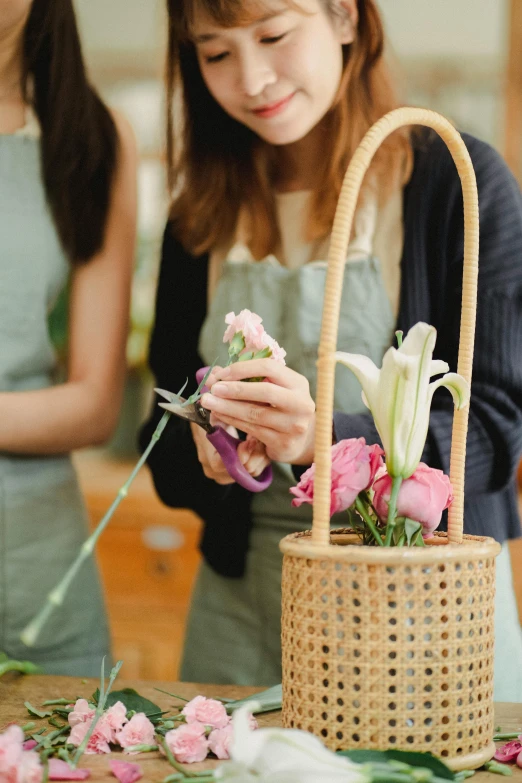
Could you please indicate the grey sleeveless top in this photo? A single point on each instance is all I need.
(42, 516)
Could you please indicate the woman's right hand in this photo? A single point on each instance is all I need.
(251, 454)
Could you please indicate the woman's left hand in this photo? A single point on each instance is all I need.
(278, 410)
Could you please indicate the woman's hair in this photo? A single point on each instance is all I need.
(221, 169)
(79, 141)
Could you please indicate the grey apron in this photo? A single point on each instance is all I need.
(233, 633)
(42, 517)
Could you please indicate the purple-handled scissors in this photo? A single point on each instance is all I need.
(224, 443)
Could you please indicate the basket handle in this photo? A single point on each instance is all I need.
(341, 233)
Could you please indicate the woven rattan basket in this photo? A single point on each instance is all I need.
(391, 647)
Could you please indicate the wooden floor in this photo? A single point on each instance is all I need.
(149, 558)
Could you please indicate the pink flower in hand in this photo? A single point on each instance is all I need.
(207, 711)
(81, 713)
(422, 497)
(138, 731)
(125, 772)
(188, 743)
(249, 324)
(278, 353)
(219, 741)
(99, 739)
(354, 465)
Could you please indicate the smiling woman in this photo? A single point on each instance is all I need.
(275, 97)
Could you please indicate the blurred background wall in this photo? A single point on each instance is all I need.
(460, 57)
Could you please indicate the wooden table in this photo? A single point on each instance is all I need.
(15, 689)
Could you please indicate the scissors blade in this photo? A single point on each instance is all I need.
(178, 406)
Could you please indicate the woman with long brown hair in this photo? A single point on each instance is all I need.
(67, 211)
(275, 96)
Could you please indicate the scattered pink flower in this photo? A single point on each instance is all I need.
(207, 711)
(188, 743)
(509, 752)
(220, 740)
(422, 497)
(249, 324)
(60, 770)
(519, 760)
(29, 744)
(29, 768)
(81, 713)
(138, 731)
(10, 750)
(99, 739)
(116, 717)
(354, 466)
(125, 772)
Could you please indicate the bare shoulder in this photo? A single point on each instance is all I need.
(126, 137)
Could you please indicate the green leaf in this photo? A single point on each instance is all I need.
(36, 713)
(269, 700)
(133, 701)
(411, 528)
(265, 353)
(246, 357)
(412, 758)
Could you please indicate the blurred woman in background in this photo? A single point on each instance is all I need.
(67, 213)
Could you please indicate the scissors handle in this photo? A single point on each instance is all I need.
(226, 445)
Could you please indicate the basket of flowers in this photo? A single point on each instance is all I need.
(388, 625)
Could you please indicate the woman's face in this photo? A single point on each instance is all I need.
(13, 15)
(280, 74)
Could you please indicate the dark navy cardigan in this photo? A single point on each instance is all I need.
(431, 283)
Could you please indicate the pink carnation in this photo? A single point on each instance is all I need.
(17, 765)
(422, 497)
(138, 731)
(188, 743)
(207, 711)
(116, 717)
(81, 713)
(220, 740)
(249, 324)
(354, 466)
(278, 353)
(99, 739)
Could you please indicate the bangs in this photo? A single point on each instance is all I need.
(227, 13)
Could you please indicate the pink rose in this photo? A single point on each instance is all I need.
(138, 731)
(188, 743)
(81, 713)
(99, 739)
(116, 717)
(207, 711)
(249, 324)
(354, 465)
(125, 772)
(422, 497)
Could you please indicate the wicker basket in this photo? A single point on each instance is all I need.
(391, 647)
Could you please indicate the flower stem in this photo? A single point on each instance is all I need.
(173, 763)
(25, 667)
(99, 709)
(361, 508)
(56, 597)
(392, 509)
(508, 736)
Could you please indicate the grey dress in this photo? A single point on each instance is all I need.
(42, 517)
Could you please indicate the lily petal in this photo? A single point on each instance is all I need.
(456, 384)
(438, 366)
(365, 371)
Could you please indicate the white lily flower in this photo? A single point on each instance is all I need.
(283, 756)
(399, 395)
